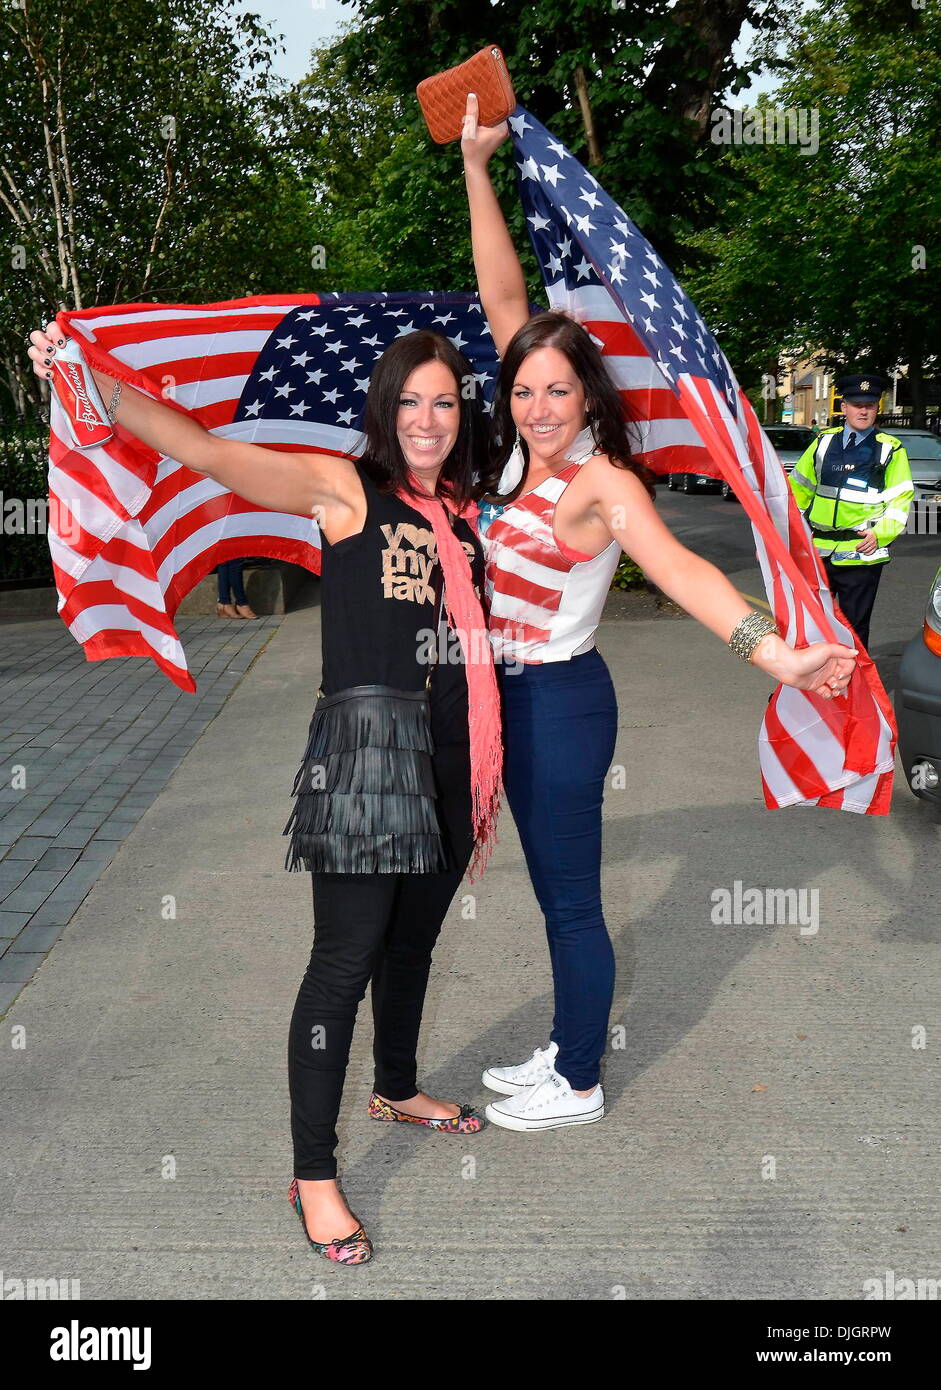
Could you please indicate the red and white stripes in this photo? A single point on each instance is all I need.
(131, 532)
(811, 751)
(545, 601)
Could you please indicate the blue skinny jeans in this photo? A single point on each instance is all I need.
(560, 726)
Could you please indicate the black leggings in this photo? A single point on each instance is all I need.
(379, 926)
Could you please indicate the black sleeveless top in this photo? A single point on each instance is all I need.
(378, 604)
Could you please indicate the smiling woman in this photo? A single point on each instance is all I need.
(565, 498)
(436, 444)
(399, 781)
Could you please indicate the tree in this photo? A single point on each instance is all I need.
(141, 157)
(400, 220)
(833, 252)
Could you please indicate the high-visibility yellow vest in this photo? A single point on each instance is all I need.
(838, 499)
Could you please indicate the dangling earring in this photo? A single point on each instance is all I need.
(517, 443)
(590, 422)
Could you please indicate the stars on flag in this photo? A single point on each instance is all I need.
(489, 511)
(584, 240)
(315, 366)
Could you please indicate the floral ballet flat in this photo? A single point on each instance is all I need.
(354, 1249)
(467, 1122)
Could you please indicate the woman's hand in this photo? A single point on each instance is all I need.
(824, 668)
(44, 348)
(478, 142)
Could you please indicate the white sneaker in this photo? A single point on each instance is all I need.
(547, 1105)
(509, 1080)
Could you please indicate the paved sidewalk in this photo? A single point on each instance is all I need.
(772, 1126)
(85, 748)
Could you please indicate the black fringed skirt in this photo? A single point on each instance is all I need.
(365, 791)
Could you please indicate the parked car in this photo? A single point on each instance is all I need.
(918, 704)
(924, 456)
(693, 482)
(789, 443)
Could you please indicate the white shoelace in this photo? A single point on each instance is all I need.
(540, 1059)
(541, 1095)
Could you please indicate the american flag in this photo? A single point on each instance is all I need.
(689, 414)
(131, 532)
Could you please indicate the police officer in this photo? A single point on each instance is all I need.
(854, 486)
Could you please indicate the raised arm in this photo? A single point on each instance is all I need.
(302, 483)
(500, 279)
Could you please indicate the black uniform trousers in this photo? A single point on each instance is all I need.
(371, 926)
(855, 589)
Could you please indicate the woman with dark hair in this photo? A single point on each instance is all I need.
(399, 783)
(562, 499)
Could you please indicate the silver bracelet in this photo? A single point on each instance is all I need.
(115, 397)
(749, 632)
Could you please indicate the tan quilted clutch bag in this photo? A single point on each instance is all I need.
(443, 98)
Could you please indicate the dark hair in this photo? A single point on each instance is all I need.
(604, 407)
(383, 460)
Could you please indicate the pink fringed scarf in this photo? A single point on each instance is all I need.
(466, 618)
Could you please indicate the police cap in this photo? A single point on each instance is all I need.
(862, 389)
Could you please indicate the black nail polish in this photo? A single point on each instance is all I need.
(48, 361)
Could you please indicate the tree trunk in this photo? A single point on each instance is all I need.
(14, 386)
(689, 66)
(581, 84)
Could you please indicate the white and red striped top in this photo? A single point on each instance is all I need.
(545, 598)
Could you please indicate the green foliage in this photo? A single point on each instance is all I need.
(392, 209)
(389, 206)
(628, 575)
(821, 252)
(171, 179)
(23, 554)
